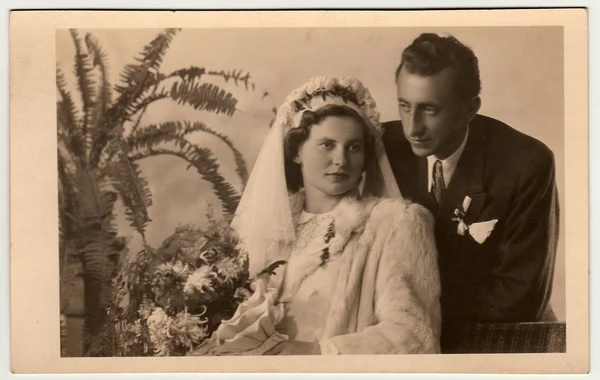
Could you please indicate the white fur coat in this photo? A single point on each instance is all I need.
(386, 296)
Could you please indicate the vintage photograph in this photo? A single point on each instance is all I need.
(310, 191)
(248, 191)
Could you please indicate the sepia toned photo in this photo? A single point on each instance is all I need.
(263, 192)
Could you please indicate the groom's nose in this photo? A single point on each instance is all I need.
(414, 124)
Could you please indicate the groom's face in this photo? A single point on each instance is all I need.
(434, 119)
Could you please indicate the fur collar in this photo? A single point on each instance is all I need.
(349, 217)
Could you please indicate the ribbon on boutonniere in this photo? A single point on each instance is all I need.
(459, 216)
(478, 231)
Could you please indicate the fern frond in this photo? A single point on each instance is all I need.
(69, 217)
(68, 226)
(133, 190)
(206, 96)
(235, 76)
(68, 123)
(188, 73)
(154, 135)
(67, 111)
(85, 81)
(97, 244)
(202, 97)
(154, 52)
(142, 103)
(186, 81)
(240, 162)
(103, 99)
(68, 272)
(138, 78)
(207, 166)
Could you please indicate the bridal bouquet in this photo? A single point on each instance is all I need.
(170, 300)
(191, 296)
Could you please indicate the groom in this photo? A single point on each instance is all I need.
(491, 188)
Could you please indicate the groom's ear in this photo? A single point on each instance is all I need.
(297, 160)
(474, 106)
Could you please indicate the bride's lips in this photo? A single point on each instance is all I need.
(340, 176)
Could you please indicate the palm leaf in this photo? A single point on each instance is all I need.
(85, 82)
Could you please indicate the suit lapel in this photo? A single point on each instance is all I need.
(467, 180)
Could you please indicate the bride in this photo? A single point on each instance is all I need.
(360, 273)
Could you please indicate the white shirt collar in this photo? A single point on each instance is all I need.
(448, 165)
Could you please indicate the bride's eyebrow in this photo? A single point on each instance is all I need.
(328, 139)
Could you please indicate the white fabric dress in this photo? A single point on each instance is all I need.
(308, 303)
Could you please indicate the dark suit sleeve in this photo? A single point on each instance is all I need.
(522, 283)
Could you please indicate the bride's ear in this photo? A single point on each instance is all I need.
(297, 160)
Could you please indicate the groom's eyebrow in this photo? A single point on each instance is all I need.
(424, 104)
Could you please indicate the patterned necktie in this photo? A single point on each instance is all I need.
(439, 187)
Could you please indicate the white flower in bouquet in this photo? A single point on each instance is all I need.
(200, 281)
(187, 330)
(158, 327)
(170, 334)
(145, 309)
(229, 269)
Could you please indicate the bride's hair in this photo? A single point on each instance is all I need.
(295, 137)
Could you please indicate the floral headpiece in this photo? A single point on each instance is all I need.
(326, 90)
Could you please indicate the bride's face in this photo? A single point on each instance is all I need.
(332, 158)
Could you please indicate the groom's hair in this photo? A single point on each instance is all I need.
(295, 137)
(429, 54)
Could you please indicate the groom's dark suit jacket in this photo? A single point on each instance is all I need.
(510, 177)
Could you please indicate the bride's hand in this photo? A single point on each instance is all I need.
(295, 347)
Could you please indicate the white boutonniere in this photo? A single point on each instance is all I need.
(478, 231)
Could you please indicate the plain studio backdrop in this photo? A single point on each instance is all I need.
(521, 72)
